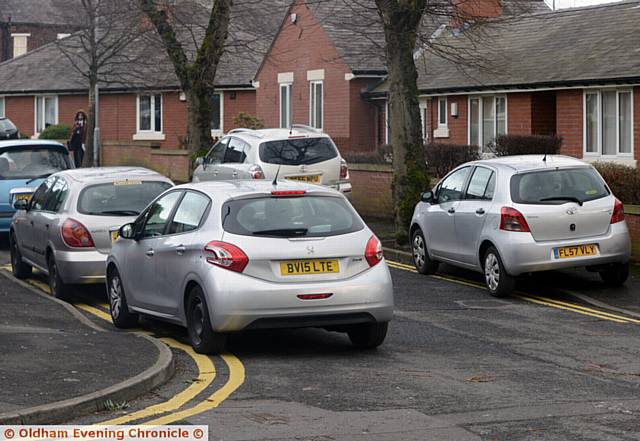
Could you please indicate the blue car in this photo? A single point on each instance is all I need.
(23, 166)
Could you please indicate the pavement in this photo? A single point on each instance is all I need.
(51, 354)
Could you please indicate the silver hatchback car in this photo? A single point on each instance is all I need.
(219, 257)
(67, 228)
(522, 214)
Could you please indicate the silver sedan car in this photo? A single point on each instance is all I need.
(219, 257)
(522, 214)
(67, 228)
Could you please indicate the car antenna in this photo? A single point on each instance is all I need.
(275, 180)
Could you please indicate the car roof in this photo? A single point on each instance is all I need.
(241, 188)
(30, 143)
(108, 174)
(532, 162)
(277, 134)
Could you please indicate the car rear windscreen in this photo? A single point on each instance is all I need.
(119, 198)
(558, 186)
(308, 216)
(302, 151)
(6, 125)
(32, 161)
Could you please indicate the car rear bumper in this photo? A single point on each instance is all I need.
(521, 254)
(238, 302)
(344, 188)
(81, 267)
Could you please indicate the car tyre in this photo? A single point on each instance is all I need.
(121, 317)
(203, 338)
(59, 289)
(421, 259)
(19, 269)
(615, 275)
(368, 335)
(498, 281)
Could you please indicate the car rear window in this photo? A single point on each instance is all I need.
(119, 198)
(32, 161)
(308, 216)
(6, 125)
(558, 186)
(303, 151)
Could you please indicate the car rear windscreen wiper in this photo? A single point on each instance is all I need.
(563, 198)
(284, 232)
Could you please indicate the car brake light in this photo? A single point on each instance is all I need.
(288, 193)
(256, 172)
(512, 220)
(373, 251)
(344, 169)
(618, 212)
(314, 296)
(76, 235)
(226, 255)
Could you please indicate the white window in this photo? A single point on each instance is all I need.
(2, 107)
(61, 36)
(20, 46)
(442, 112)
(316, 101)
(46, 112)
(487, 120)
(424, 120)
(608, 123)
(149, 118)
(217, 114)
(285, 105)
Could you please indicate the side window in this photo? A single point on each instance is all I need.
(56, 196)
(189, 213)
(479, 184)
(491, 188)
(451, 188)
(158, 215)
(216, 154)
(247, 157)
(39, 199)
(235, 151)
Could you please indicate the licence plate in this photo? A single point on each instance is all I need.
(303, 267)
(114, 236)
(577, 251)
(314, 179)
(23, 196)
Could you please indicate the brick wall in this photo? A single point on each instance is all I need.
(244, 101)
(519, 113)
(41, 34)
(543, 113)
(636, 123)
(363, 135)
(633, 222)
(171, 163)
(372, 190)
(569, 116)
(458, 132)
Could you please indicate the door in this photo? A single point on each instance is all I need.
(439, 219)
(179, 251)
(471, 214)
(140, 266)
(28, 234)
(211, 168)
(47, 222)
(233, 166)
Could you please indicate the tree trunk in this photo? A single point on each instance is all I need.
(91, 123)
(198, 120)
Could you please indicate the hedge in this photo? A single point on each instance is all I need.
(442, 158)
(623, 181)
(508, 145)
(56, 132)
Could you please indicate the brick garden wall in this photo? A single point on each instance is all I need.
(372, 190)
(632, 216)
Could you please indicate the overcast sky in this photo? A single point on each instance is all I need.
(572, 3)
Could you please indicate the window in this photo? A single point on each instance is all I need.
(557, 187)
(39, 199)
(2, 107)
(25, 163)
(608, 123)
(450, 189)
(57, 195)
(46, 112)
(424, 118)
(481, 185)
(61, 36)
(285, 106)
(297, 152)
(158, 215)
(150, 113)
(119, 198)
(487, 120)
(236, 152)
(189, 214)
(217, 114)
(216, 154)
(20, 45)
(442, 112)
(316, 105)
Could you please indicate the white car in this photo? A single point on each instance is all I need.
(301, 153)
(521, 214)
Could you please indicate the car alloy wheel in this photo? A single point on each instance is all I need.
(419, 251)
(115, 296)
(120, 315)
(492, 271)
(197, 318)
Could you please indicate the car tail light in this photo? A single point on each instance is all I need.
(226, 255)
(373, 251)
(76, 235)
(256, 172)
(288, 193)
(344, 169)
(512, 220)
(618, 212)
(314, 296)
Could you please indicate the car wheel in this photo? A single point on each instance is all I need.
(615, 275)
(203, 339)
(118, 307)
(421, 259)
(499, 283)
(368, 335)
(59, 289)
(19, 269)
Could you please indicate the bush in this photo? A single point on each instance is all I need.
(442, 158)
(623, 181)
(56, 132)
(24, 136)
(507, 145)
(247, 121)
(382, 155)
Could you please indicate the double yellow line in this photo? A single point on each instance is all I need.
(553, 303)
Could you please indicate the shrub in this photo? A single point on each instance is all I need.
(248, 121)
(56, 132)
(507, 145)
(24, 136)
(441, 158)
(623, 181)
(382, 155)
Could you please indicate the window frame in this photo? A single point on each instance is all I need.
(145, 214)
(480, 121)
(493, 173)
(203, 219)
(312, 104)
(151, 134)
(289, 87)
(599, 126)
(465, 184)
(215, 133)
(3, 106)
(44, 112)
(13, 43)
(442, 99)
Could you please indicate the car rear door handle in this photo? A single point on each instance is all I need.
(480, 211)
(181, 249)
(451, 210)
(150, 253)
(234, 174)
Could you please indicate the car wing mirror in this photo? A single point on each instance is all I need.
(127, 231)
(200, 161)
(21, 204)
(428, 197)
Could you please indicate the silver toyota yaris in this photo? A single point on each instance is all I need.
(522, 214)
(220, 257)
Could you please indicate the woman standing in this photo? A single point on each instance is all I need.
(78, 138)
